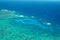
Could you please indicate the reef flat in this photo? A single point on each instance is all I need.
(21, 27)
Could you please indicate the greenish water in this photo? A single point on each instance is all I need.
(10, 29)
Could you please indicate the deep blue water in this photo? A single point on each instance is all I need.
(49, 11)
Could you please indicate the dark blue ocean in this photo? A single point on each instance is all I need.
(49, 11)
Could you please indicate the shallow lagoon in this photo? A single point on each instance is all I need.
(25, 28)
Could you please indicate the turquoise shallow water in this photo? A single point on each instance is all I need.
(19, 27)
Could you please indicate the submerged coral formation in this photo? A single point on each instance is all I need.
(20, 27)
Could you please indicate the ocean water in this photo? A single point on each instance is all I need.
(45, 10)
(29, 20)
